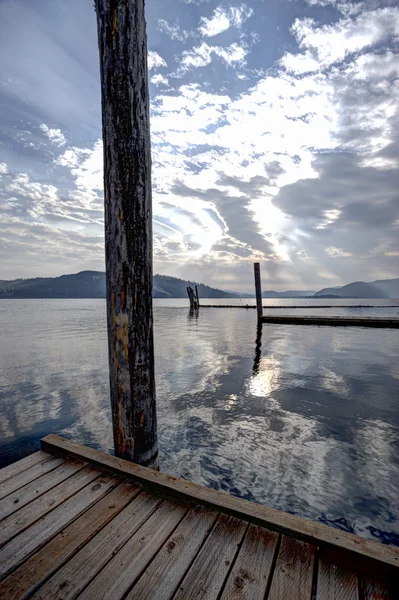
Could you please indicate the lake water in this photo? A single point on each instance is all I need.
(306, 420)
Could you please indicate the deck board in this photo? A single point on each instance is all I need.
(336, 583)
(293, 573)
(94, 526)
(160, 580)
(207, 574)
(27, 475)
(124, 569)
(252, 568)
(23, 464)
(29, 514)
(68, 542)
(16, 500)
(76, 574)
(19, 548)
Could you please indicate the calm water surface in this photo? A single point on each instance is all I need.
(305, 420)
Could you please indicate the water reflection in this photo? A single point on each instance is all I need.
(302, 419)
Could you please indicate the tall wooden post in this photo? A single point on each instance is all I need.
(258, 290)
(128, 227)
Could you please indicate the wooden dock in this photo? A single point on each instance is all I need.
(78, 523)
(332, 321)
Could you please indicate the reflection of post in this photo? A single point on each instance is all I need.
(258, 290)
(258, 349)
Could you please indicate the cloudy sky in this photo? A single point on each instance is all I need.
(275, 137)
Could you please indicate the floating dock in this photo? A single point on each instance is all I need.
(332, 321)
(78, 523)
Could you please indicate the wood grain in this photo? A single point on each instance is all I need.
(17, 522)
(208, 572)
(20, 548)
(336, 583)
(251, 571)
(373, 589)
(304, 529)
(293, 573)
(23, 464)
(163, 575)
(69, 581)
(27, 578)
(19, 480)
(121, 572)
(36, 488)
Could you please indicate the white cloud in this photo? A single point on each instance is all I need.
(327, 44)
(337, 252)
(86, 165)
(201, 56)
(175, 32)
(159, 79)
(155, 60)
(222, 19)
(3, 168)
(54, 135)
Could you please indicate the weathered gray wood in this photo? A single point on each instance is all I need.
(163, 575)
(77, 573)
(19, 480)
(258, 290)
(24, 544)
(128, 227)
(23, 464)
(334, 321)
(345, 544)
(335, 582)
(293, 573)
(251, 571)
(17, 522)
(15, 501)
(121, 572)
(30, 575)
(206, 575)
(373, 589)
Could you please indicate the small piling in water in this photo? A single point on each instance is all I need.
(193, 297)
(258, 290)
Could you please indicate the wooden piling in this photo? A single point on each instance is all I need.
(258, 290)
(128, 227)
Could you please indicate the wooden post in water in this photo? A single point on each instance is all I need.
(258, 290)
(128, 227)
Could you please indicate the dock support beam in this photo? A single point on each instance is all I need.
(128, 227)
(258, 291)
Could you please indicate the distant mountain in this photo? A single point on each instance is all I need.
(288, 294)
(390, 286)
(357, 289)
(91, 284)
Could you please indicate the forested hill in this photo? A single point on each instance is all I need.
(91, 284)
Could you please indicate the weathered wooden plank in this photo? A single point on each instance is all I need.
(27, 578)
(119, 575)
(293, 573)
(208, 572)
(23, 464)
(37, 470)
(373, 589)
(30, 540)
(332, 321)
(69, 581)
(334, 582)
(122, 45)
(17, 522)
(163, 575)
(304, 529)
(36, 488)
(251, 571)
